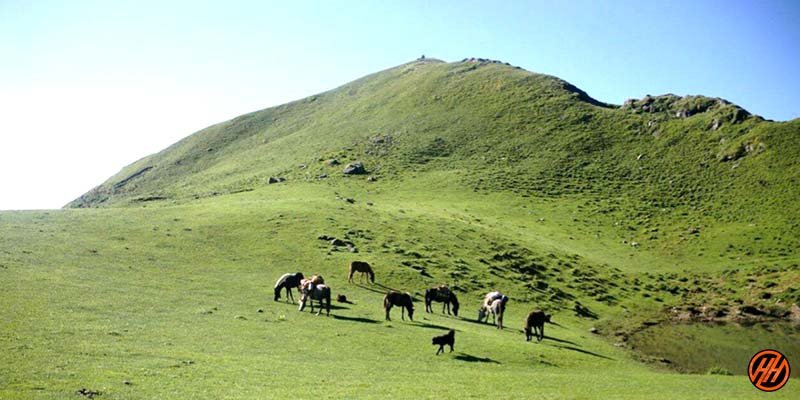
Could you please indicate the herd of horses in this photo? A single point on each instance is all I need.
(494, 303)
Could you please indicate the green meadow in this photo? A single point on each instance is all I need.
(158, 283)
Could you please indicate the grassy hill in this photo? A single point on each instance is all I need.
(668, 224)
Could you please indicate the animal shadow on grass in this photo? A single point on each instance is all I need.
(583, 351)
(472, 320)
(431, 326)
(559, 340)
(471, 358)
(356, 319)
(372, 288)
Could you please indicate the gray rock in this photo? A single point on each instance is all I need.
(356, 168)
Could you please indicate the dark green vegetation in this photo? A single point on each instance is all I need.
(669, 224)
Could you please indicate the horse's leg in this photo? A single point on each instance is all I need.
(451, 347)
(403, 313)
(388, 307)
(289, 294)
(500, 319)
(541, 332)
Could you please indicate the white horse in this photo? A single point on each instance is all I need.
(320, 293)
(495, 304)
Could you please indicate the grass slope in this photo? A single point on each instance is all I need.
(484, 176)
(163, 301)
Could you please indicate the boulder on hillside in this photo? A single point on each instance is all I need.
(356, 168)
(332, 162)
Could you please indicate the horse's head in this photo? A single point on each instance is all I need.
(481, 314)
(299, 276)
(371, 276)
(455, 305)
(547, 318)
(410, 309)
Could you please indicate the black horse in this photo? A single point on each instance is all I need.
(287, 281)
(402, 300)
(442, 295)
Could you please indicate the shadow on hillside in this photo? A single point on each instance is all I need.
(471, 358)
(473, 321)
(431, 326)
(558, 340)
(356, 319)
(582, 351)
(372, 288)
(444, 315)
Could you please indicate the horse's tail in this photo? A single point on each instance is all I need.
(350, 274)
(386, 301)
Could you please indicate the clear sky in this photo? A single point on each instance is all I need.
(87, 87)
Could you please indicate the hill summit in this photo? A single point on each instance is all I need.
(504, 127)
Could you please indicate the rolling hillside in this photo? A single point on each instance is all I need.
(661, 233)
(666, 163)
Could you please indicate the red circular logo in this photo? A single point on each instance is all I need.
(768, 370)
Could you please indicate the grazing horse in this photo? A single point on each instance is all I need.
(319, 292)
(494, 303)
(362, 267)
(402, 300)
(534, 322)
(288, 281)
(444, 295)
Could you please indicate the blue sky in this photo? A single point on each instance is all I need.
(92, 86)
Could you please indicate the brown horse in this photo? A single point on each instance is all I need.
(534, 322)
(402, 300)
(362, 267)
(444, 295)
